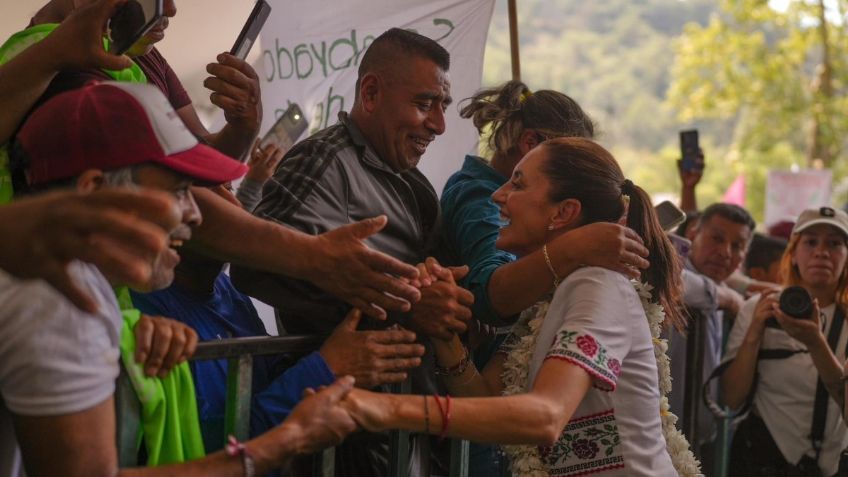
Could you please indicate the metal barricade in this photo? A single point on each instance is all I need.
(240, 352)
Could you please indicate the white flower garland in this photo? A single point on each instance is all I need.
(525, 459)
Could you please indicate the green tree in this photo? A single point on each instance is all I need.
(778, 75)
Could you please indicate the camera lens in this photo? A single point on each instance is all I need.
(796, 302)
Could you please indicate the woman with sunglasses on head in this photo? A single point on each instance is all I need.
(576, 388)
(777, 359)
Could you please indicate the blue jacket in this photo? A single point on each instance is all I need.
(228, 313)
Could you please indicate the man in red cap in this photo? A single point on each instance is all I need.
(61, 401)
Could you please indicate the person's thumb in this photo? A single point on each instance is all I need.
(368, 227)
(459, 272)
(351, 321)
(339, 389)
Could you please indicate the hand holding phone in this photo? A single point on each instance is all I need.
(287, 130)
(691, 155)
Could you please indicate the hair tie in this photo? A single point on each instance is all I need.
(524, 96)
(626, 186)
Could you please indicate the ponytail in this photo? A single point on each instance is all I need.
(664, 272)
(510, 109)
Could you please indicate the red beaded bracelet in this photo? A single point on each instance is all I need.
(445, 412)
(234, 448)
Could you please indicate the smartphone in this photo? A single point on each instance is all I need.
(287, 130)
(131, 22)
(250, 31)
(669, 215)
(690, 151)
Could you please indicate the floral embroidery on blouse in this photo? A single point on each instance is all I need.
(588, 445)
(582, 349)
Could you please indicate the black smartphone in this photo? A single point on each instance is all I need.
(669, 215)
(690, 151)
(287, 130)
(131, 22)
(250, 31)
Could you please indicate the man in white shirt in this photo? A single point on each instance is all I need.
(58, 364)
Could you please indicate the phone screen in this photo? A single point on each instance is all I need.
(690, 150)
(287, 130)
(669, 215)
(132, 21)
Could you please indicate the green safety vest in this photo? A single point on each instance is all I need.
(169, 422)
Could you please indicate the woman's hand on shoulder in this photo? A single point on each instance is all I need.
(607, 245)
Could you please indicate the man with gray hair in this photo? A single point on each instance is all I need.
(58, 364)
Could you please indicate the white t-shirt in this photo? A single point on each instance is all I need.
(596, 321)
(54, 358)
(786, 391)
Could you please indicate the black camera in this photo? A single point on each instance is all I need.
(796, 302)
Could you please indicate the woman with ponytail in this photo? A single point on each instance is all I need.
(516, 120)
(580, 381)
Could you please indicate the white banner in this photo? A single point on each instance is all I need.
(312, 48)
(790, 193)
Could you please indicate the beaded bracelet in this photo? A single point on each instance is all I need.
(426, 416)
(457, 369)
(445, 412)
(234, 448)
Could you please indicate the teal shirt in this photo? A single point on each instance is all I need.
(471, 223)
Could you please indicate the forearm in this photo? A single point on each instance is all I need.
(233, 141)
(738, 378)
(22, 81)
(270, 451)
(516, 286)
(688, 201)
(229, 233)
(830, 370)
(519, 419)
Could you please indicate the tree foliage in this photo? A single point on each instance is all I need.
(778, 74)
(745, 73)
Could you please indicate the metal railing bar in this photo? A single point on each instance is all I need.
(258, 345)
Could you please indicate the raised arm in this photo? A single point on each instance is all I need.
(76, 43)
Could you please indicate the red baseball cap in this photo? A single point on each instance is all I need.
(111, 125)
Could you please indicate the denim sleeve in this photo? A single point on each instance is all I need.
(471, 225)
(273, 405)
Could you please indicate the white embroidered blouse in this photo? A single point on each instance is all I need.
(596, 321)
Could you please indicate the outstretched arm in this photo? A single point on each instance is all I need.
(83, 444)
(537, 417)
(337, 261)
(120, 231)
